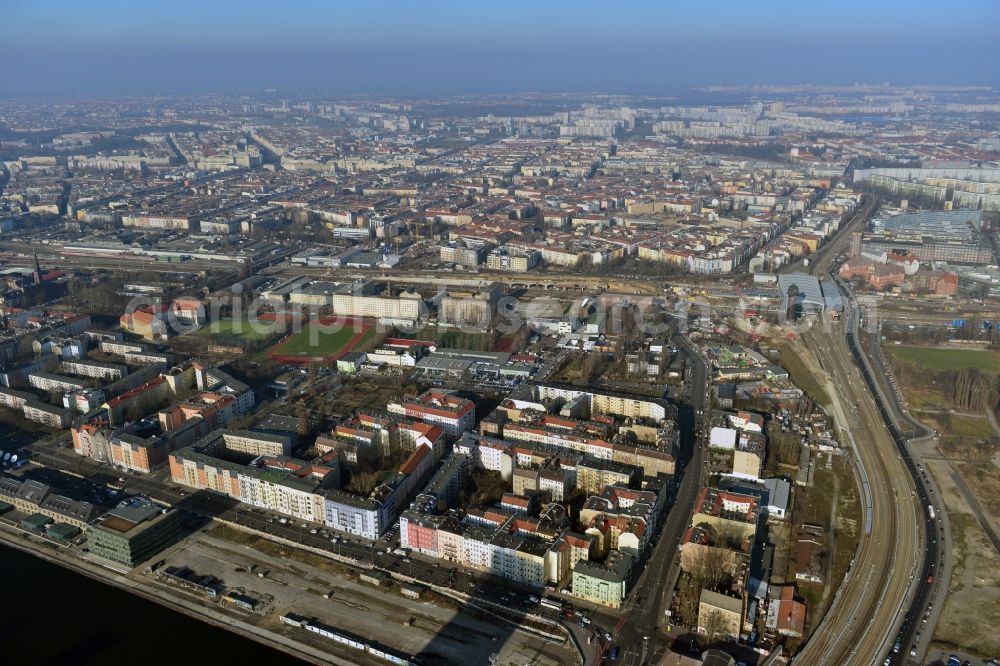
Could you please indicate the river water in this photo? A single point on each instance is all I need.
(51, 615)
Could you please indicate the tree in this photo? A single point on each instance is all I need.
(728, 535)
(592, 367)
(712, 565)
(715, 626)
(664, 365)
(969, 390)
(363, 483)
(784, 447)
(717, 566)
(688, 600)
(518, 339)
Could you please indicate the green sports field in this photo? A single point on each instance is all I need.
(317, 343)
(940, 359)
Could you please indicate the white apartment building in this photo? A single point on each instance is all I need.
(48, 381)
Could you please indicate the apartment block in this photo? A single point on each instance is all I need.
(440, 407)
(720, 613)
(14, 399)
(604, 583)
(49, 381)
(53, 417)
(94, 369)
(137, 454)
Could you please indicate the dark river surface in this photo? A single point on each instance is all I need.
(51, 615)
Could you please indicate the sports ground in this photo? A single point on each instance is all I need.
(322, 341)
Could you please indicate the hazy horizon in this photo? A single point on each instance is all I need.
(437, 48)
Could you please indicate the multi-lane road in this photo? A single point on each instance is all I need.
(918, 625)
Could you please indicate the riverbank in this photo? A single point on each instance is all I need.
(174, 603)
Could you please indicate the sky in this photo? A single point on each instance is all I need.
(432, 47)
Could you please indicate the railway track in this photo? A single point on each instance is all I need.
(861, 622)
(863, 619)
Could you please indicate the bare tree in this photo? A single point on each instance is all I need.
(715, 626)
(717, 567)
(592, 367)
(688, 600)
(363, 483)
(729, 536)
(712, 565)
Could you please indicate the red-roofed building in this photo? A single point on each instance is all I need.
(785, 615)
(188, 311)
(134, 404)
(420, 460)
(581, 545)
(720, 509)
(416, 434)
(404, 343)
(454, 414)
(145, 322)
(878, 275)
(516, 503)
(905, 260)
(941, 283)
(213, 409)
(93, 439)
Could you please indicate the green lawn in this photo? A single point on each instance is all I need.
(310, 342)
(233, 328)
(940, 359)
(958, 425)
(971, 426)
(929, 397)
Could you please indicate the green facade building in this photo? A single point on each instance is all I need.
(134, 531)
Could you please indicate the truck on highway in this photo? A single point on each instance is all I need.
(402, 552)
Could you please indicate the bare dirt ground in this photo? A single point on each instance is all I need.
(972, 607)
(967, 446)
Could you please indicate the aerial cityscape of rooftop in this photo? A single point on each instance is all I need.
(567, 335)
